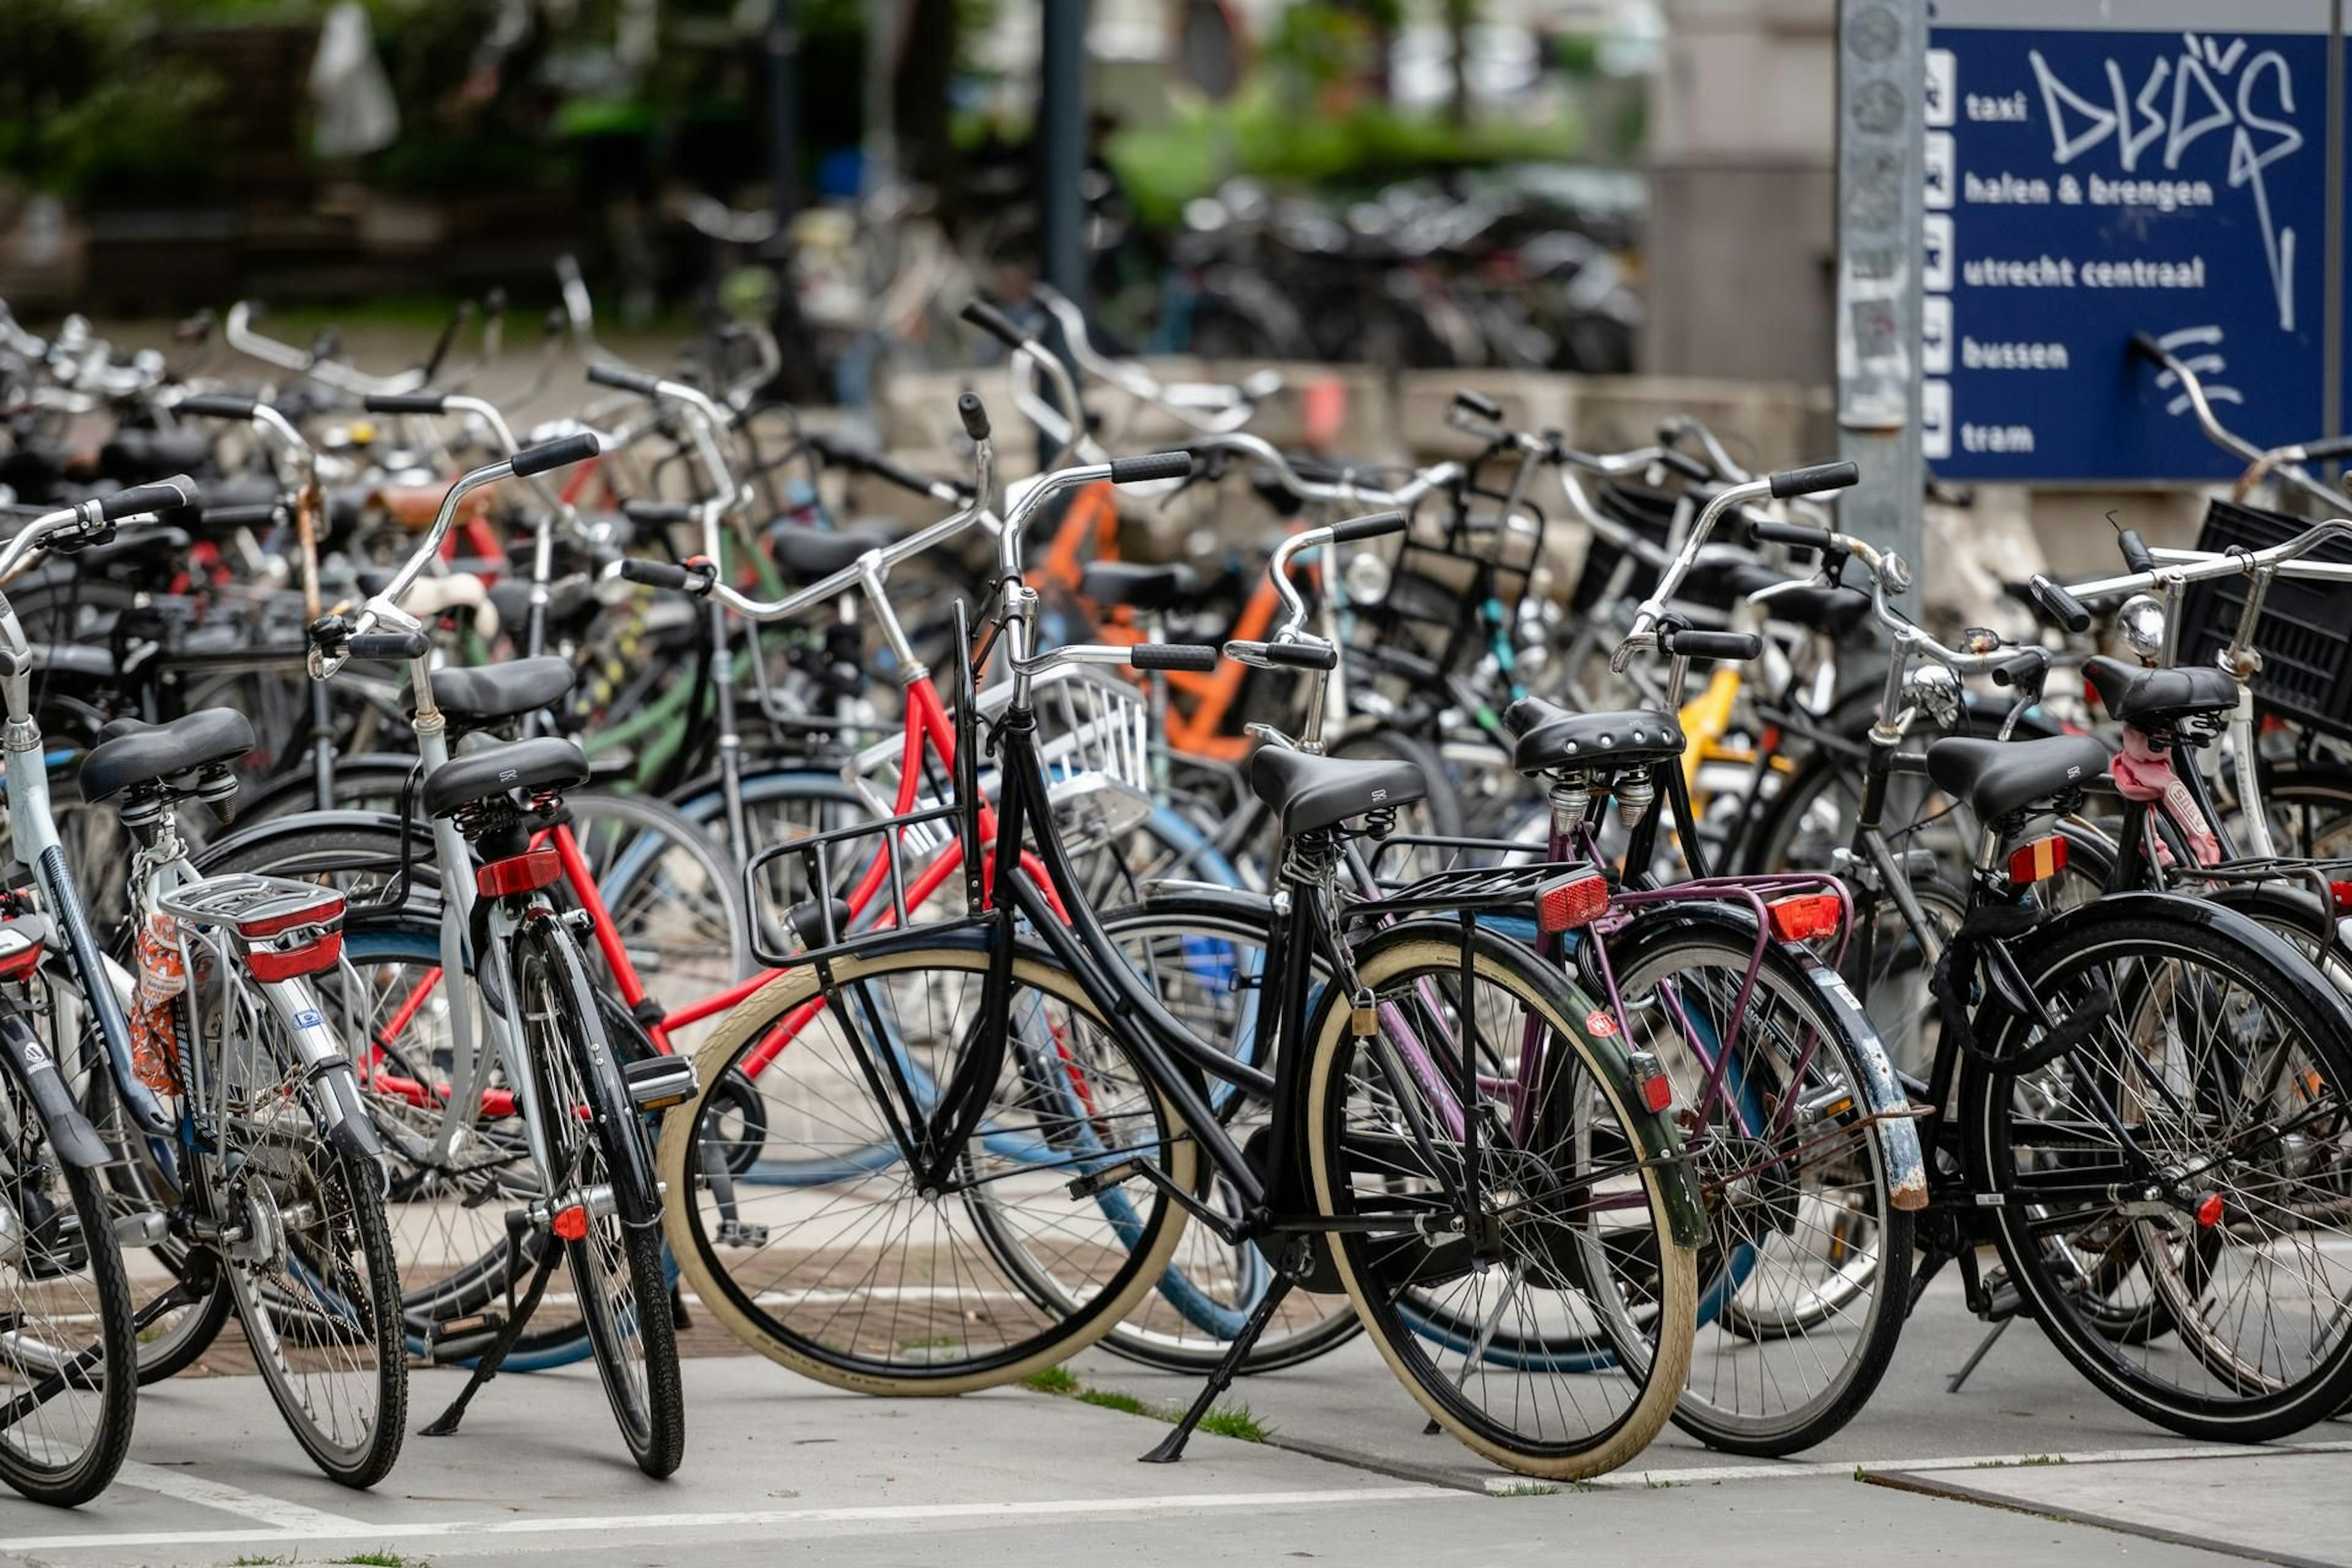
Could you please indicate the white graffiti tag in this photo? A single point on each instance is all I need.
(2182, 99)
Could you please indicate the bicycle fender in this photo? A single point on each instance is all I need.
(301, 826)
(1898, 1132)
(70, 1133)
(636, 1190)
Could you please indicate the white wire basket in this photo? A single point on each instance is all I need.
(1093, 737)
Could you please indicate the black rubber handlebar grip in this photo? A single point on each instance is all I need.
(2025, 670)
(2061, 606)
(388, 644)
(1791, 534)
(405, 402)
(1685, 465)
(2143, 346)
(1150, 466)
(162, 496)
(250, 514)
(1194, 656)
(217, 405)
(659, 575)
(1813, 480)
(1303, 654)
(1372, 525)
(2334, 446)
(1479, 404)
(559, 453)
(2134, 550)
(1734, 648)
(975, 415)
(627, 380)
(993, 322)
(656, 512)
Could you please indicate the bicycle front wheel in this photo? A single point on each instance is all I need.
(800, 1225)
(1578, 1237)
(2194, 1146)
(67, 1355)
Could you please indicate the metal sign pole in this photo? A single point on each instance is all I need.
(1883, 173)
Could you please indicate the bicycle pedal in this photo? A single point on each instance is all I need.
(736, 1233)
(462, 1339)
(1094, 1182)
(655, 1083)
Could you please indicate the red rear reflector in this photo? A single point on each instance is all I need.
(525, 873)
(2037, 862)
(314, 914)
(1658, 1088)
(2340, 895)
(1571, 903)
(272, 964)
(1807, 916)
(2208, 1212)
(572, 1224)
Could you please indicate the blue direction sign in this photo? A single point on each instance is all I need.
(2094, 171)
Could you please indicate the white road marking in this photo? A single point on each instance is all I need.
(275, 1512)
(1702, 1475)
(331, 1528)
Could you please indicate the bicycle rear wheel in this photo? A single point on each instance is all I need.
(799, 1224)
(314, 1277)
(2220, 1056)
(1584, 1239)
(617, 1265)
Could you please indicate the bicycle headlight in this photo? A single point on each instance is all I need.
(2141, 621)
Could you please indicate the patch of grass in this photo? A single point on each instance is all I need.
(378, 1560)
(1586, 1485)
(1053, 1379)
(1529, 1489)
(1111, 1399)
(939, 1343)
(1650, 1483)
(252, 1561)
(1234, 1421)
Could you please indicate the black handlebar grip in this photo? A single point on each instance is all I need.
(659, 575)
(975, 415)
(656, 512)
(1813, 480)
(1685, 465)
(2026, 669)
(622, 377)
(559, 453)
(2334, 446)
(163, 496)
(993, 322)
(405, 402)
(449, 330)
(1317, 655)
(388, 644)
(2137, 554)
(2061, 606)
(1372, 525)
(1790, 533)
(1734, 648)
(1476, 403)
(217, 405)
(1173, 656)
(2143, 346)
(251, 514)
(1150, 466)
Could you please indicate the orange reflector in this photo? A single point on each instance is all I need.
(1806, 916)
(1571, 903)
(572, 1224)
(2208, 1212)
(2037, 862)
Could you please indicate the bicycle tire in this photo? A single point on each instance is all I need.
(2279, 990)
(1391, 961)
(693, 1214)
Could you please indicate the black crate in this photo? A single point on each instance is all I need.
(2304, 635)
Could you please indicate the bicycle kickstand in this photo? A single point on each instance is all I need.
(518, 1316)
(1172, 1448)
